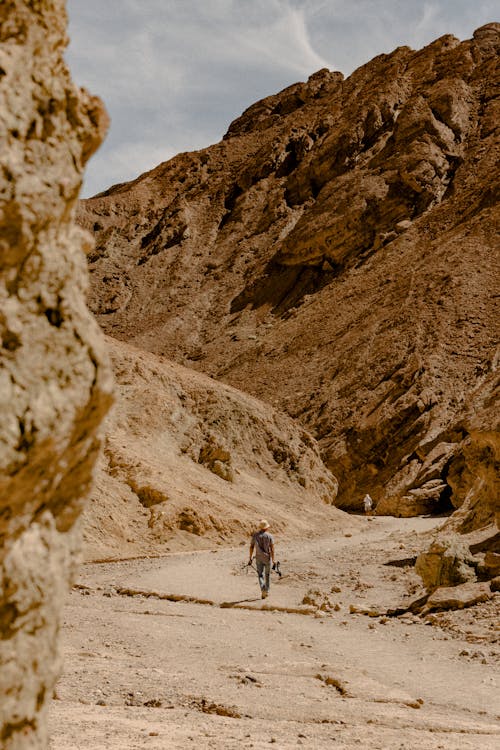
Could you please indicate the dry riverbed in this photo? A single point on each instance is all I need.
(180, 651)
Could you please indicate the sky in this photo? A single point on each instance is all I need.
(174, 73)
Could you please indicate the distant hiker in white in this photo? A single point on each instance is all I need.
(368, 504)
(263, 543)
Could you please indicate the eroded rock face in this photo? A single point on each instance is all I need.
(333, 256)
(454, 558)
(55, 385)
(474, 474)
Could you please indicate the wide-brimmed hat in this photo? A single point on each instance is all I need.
(263, 524)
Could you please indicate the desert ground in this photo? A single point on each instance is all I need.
(180, 651)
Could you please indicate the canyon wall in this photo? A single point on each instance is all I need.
(335, 255)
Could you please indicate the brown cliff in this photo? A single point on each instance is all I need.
(55, 384)
(335, 255)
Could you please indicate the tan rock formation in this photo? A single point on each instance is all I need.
(189, 463)
(54, 382)
(334, 256)
(448, 562)
(458, 597)
(492, 564)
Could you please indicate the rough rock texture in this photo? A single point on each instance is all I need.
(54, 382)
(189, 462)
(458, 597)
(448, 562)
(335, 255)
(474, 474)
(492, 564)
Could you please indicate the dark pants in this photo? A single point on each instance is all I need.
(263, 567)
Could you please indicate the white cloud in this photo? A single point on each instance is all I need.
(274, 34)
(285, 43)
(428, 19)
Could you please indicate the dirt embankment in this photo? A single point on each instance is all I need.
(189, 462)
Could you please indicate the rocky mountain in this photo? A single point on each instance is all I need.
(189, 462)
(335, 255)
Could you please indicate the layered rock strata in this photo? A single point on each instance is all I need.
(335, 255)
(55, 383)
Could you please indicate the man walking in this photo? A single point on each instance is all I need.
(263, 543)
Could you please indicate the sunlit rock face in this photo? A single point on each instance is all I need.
(335, 256)
(55, 384)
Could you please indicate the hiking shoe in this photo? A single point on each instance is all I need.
(264, 594)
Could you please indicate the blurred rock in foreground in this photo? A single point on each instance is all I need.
(55, 383)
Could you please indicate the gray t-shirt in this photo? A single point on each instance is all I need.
(263, 542)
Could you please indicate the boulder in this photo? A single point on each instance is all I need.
(417, 502)
(486, 539)
(55, 383)
(448, 562)
(458, 597)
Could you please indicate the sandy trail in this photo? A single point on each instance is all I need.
(223, 669)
